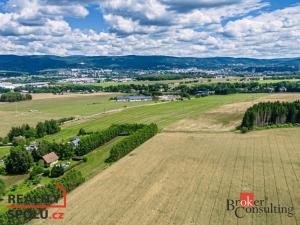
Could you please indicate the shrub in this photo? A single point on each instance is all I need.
(36, 170)
(57, 171)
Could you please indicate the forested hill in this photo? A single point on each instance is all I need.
(33, 64)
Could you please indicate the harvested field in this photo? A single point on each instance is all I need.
(185, 177)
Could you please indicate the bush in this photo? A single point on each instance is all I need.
(36, 170)
(131, 142)
(57, 171)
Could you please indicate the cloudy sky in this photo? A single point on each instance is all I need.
(200, 28)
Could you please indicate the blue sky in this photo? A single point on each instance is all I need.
(199, 28)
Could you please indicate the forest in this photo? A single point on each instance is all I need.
(14, 97)
(271, 113)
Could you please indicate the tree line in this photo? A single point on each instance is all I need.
(40, 130)
(131, 142)
(240, 87)
(125, 88)
(14, 97)
(90, 142)
(271, 113)
(48, 194)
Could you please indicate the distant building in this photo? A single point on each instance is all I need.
(204, 93)
(169, 97)
(50, 159)
(39, 85)
(133, 98)
(75, 141)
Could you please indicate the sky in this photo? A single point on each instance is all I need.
(195, 28)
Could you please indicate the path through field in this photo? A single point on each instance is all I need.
(184, 176)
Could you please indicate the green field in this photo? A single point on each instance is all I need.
(55, 107)
(162, 114)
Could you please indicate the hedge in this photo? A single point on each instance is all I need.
(91, 142)
(131, 142)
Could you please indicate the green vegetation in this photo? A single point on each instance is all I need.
(18, 161)
(241, 87)
(131, 142)
(57, 171)
(161, 114)
(47, 106)
(271, 113)
(14, 97)
(90, 142)
(4, 151)
(2, 187)
(41, 129)
(70, 181)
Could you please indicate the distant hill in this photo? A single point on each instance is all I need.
(33, 64)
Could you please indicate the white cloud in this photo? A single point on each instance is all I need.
(180, 28)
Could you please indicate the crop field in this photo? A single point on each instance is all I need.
(185, 175)
(162, 114)
(49, 106)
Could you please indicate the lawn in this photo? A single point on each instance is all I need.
(4, 151)
(162, 114)
(55, 107)
(96, 159)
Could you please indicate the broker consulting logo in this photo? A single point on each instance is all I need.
(248, 205)
(21, 208)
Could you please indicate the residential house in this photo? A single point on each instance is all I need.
(75, 141)
(50, 159)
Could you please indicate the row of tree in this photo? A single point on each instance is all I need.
(131, 142)
(271, 113)
(241, 87)
(48, 194)
(90, 142)
(126, 88)
(41, 129)
(14, 97)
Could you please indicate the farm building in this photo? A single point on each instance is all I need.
(169, 97)
(133, 98)
(50, 159)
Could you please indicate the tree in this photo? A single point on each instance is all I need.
(40, 130)
(18, 161)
